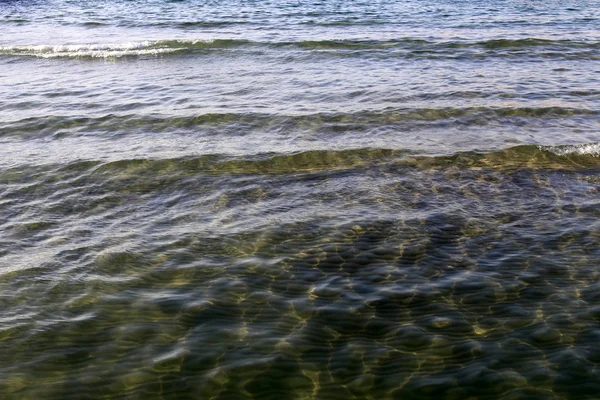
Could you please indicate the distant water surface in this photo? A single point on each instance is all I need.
(299, 200)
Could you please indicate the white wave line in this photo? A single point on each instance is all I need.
(588, 149)
(71, 48)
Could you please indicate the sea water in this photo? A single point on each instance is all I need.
(393, 199)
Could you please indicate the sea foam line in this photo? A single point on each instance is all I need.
(586, 149)
(95, 50)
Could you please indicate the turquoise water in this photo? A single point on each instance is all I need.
(286, 200)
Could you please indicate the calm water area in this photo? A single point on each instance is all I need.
(392, 199)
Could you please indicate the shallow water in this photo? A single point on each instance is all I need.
(230, 200)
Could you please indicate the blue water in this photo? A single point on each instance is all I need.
(299, 200)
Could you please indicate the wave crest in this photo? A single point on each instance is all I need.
(407, 47)
(585, 149)
(86, 50)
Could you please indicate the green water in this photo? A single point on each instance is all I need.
(415, 277)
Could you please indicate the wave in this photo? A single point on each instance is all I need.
(581, 157)
(409, 43)
(585, 149)
(335, 122)
(398, 47)
(94, 24)
(530, 157)
(118, 50)
(211, 24)
(18, 21)
(114, 50)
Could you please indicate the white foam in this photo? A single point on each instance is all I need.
(588, 149)
(108, 50)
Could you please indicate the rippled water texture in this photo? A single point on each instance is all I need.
(299, 200)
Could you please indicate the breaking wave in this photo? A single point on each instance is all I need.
(399, 48)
